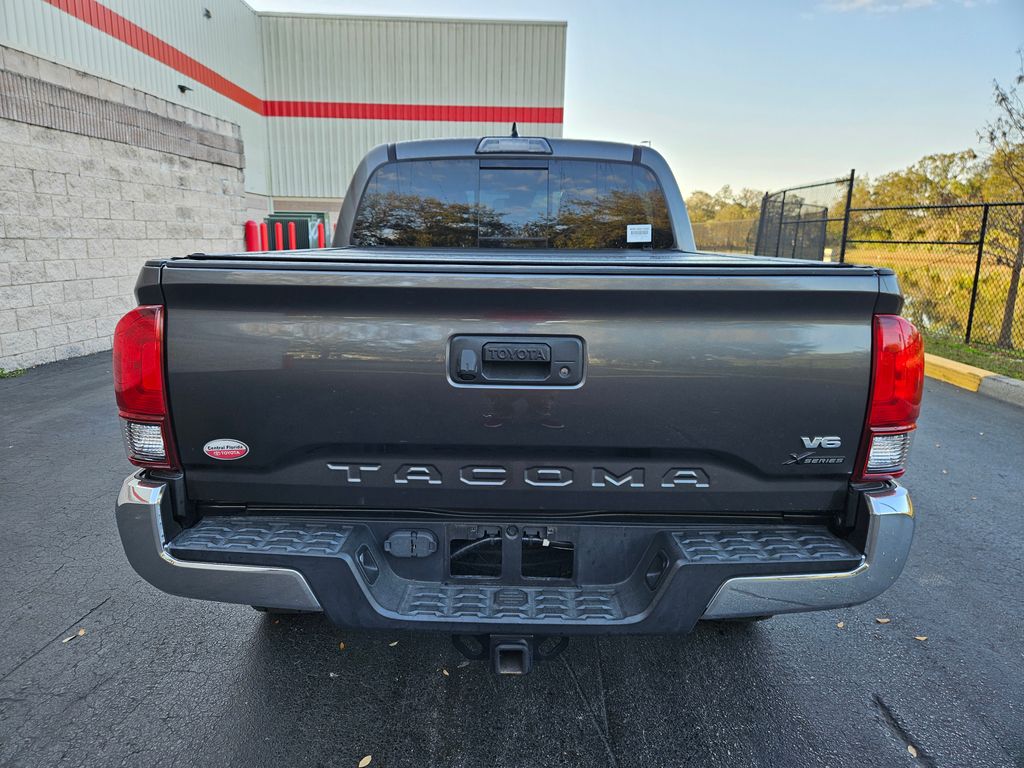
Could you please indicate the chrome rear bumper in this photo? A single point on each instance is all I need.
(140, 520)
(890, 531)
(140, 523)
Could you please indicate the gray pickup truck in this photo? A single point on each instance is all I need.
(513, 402)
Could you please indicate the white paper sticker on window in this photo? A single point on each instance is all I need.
(638, 233)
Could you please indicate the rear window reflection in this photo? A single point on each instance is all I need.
(561, 204)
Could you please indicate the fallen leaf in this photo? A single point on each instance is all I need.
(841, 624)
(945, 471)
(880, 620)
(974, 498)
(276, 621)
(79, 633)
(445, 672)
(333, 674)
(922, 638)
(365, 761)
(392, 645)
(463, 664)
(912, 750)
(341, 646)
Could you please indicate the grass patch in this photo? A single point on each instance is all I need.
(5, 374)
(990, 358)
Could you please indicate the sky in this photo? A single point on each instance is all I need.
(765, 94)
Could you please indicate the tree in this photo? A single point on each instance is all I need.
(1004, 138)
(701, 206)
(724, 205)
(749, 199)
(947, 178)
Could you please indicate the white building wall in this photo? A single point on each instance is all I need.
(306, 58)
(401, 62)
(228, 42)
(95, 179)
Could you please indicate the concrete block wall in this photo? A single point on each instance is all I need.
(96, 178)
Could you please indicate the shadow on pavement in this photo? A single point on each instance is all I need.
(606, 700)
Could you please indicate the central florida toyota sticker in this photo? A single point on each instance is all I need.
(225, 449)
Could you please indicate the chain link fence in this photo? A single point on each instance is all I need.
(959, 266)
(738, 236)
(805, 222)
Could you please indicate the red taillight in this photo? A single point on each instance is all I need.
(138, 362)
(899, 373)
(897, 382)
(139, 388)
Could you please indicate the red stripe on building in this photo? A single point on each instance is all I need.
(97, 15)
(117, 26)
(349, 110)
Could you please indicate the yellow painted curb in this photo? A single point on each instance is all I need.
(952, 372)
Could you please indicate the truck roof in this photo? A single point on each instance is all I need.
(602, 150)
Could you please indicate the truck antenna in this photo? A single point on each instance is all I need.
(515, 131)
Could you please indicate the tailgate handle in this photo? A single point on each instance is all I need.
(543, 361)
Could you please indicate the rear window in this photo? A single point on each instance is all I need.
(471, 203)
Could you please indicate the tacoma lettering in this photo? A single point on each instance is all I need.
(496, 476)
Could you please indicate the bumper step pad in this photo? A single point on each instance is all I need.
(529, 604)
(753, 545)
(265, 537)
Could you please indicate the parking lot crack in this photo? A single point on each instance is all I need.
(900, 731)
(602, 700)
(45, 645)
(596, 720)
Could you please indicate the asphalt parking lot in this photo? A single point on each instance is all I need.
(159, 680)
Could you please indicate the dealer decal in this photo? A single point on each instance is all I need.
(225, 449)
(638, 233)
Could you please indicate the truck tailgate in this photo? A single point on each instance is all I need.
(702, 388)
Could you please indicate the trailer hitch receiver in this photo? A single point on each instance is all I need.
(510, 654)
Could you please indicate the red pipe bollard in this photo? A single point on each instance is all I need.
(252, 236)
(291, 235)
(264, 237)
(278, 236)
(320, 235)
